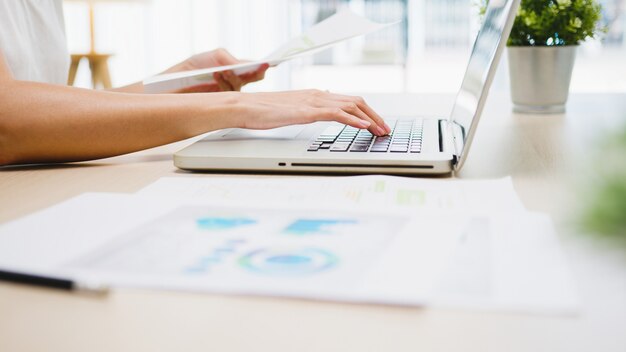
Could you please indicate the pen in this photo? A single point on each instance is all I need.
(52, 282)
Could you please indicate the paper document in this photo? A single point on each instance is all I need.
(378, 239)
(339, 27)
(126, 241)
(370, 239)
(503, 260)
(508, 261)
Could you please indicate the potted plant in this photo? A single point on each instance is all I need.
(542, 49)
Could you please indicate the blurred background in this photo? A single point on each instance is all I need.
(427, 52)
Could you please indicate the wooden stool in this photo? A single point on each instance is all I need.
(98, 64)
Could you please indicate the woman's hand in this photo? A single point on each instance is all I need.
(270, 110)
(224, 81)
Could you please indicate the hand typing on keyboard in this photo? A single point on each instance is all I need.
(270, 110)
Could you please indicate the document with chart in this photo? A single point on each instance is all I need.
(342, 26)
(126, 241)
(421, 242)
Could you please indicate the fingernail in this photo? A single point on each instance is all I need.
(365, 124)
(381, 131)
(387, 128)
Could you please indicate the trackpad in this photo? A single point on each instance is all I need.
(288, 132)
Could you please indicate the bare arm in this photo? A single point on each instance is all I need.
(49, 123)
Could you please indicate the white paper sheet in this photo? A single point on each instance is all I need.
(339, 27)
(508, 261)
(127, 241)
(497, 261)
(375, 192)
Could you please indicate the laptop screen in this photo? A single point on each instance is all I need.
(491, 38)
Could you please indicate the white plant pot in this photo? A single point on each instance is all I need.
(540, 77)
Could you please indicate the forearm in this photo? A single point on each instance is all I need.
(45, 123)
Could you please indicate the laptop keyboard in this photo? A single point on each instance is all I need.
(405, 137)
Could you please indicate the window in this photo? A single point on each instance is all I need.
(426, 52)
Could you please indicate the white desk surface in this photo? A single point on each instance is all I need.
(544, 154)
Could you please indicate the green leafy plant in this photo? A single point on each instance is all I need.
(604, 212)
(553, 22)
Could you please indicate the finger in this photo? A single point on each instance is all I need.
(373, 114)
(363, 106)
(255, 76)
(337, 114)
(223, 57)
(223, 85)
(353, 109)
(232, 79)
(351, 105)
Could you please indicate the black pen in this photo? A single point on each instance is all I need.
(52, 282)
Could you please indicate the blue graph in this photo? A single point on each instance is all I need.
(288, 262)
(315, 226)
(221, 223)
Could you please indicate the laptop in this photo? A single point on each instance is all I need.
(416, 145)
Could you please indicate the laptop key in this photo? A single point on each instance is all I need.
(358, 148)
(399, 149)
(340, 147)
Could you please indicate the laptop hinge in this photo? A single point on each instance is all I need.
(457, 133)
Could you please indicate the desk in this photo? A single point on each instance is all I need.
(542, 153)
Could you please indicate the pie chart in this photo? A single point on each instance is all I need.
(288, 261)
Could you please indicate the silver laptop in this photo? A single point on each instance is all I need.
(415, 146)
